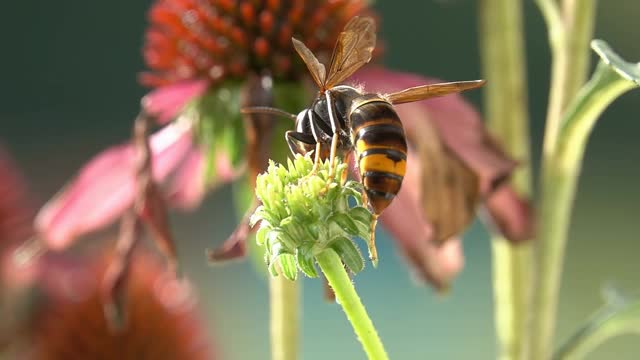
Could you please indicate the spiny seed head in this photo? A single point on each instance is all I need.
(302, 214)
(162, 320)
(221, 39)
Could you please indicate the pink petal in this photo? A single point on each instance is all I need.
(456, 120)
(166, 102)
(510, 214)
(463, 133)
(104, 188)
(15, 208)
(406, 222)
(187, 189)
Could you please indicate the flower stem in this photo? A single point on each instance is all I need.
(284, 295)
(339, 280)
(506, 108)
(570, 30)
(559, 180)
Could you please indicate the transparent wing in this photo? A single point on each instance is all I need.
(316, 68)
(434, 90)
(353, 49)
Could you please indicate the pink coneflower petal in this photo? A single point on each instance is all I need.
(510, 214)
(406, 222)
(15, 210)
(166, 102)
(187, 189)
(104, 188)
(457, 122)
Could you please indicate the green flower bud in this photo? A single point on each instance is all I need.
(304, 213)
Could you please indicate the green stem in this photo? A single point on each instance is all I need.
(284, 301)
(339, 280)
(569, 34)
(579, 16)
(559, 179)
(506, 110)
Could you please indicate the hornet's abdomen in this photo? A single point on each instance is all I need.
(380, 149)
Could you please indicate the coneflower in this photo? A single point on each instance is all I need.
(206, 60)
(221, 39)
(162, 320)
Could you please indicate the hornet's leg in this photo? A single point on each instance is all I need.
(373, 251)
(299, 143)
(335, 127)
(345, 172)
(315, 131)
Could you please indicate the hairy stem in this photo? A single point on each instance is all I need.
(284, 318)
(503, 61)
(339, 280)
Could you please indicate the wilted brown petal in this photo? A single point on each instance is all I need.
(457, 122)
(463, 134)
(236, 244)
(405, 220)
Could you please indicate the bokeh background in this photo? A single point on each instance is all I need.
(68, 89)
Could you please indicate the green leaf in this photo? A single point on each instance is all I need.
(362, 218)
(288, 266)
(349, 254)
(261, 235)
(612, 78)
(627, 70)
(306, 262)
(611, 321)
(345, 222)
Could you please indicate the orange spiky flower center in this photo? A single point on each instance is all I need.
(162, 319)
(219, 39)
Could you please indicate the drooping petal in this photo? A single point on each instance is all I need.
(15, 210)
(462, 132)
(405, 220)
(457, 122)
(104, 188)
(510, 214)
(166, 102)
(188, 187)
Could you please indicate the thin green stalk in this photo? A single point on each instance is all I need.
(559, 180)
(284, 301)
(570, 31)
(579, 16)
(339, 280)
(503, 61)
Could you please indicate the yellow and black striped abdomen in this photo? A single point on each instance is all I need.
(380, 150)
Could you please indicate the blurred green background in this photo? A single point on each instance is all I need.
(68, 89)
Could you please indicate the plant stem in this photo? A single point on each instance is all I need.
(579, 17)
(506, 110)
(284, 318)
(569, 34)
(560, 176)
(339, 280)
